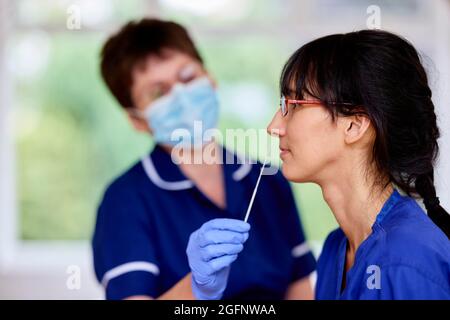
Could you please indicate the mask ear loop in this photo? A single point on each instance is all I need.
(254, 190)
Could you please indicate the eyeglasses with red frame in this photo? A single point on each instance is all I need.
(284, 103)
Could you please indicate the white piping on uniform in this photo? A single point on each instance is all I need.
(300, 250)
(129, 267)
(243, 170)
(156, 179)
(151, 172)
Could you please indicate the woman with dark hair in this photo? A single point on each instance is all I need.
(357, 119)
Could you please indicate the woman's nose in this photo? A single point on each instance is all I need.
(277, 127)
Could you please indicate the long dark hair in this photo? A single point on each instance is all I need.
(380, 75)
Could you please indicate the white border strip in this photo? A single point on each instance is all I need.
(129, 267)
(9, 222)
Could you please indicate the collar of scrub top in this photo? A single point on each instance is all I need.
(393, 199)
(166, 175)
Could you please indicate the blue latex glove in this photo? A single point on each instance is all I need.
(211, 250)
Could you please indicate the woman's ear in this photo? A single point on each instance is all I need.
(211, 79)
(138, 123)
(355, 128)
(214, 82)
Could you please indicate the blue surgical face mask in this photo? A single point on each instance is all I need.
(187, 106)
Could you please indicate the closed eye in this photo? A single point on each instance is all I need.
(188, 79)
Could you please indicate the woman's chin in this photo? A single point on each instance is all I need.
(292, 173)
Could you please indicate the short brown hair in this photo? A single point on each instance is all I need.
(135, 41)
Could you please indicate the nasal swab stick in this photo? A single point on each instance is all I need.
(254, 191)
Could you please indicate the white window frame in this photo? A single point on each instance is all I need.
(25, 262)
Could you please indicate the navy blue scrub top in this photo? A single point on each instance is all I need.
(147, 215)
(406, 257)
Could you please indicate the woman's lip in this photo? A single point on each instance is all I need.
(283, 152)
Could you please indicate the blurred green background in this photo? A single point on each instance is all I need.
(73, 138)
